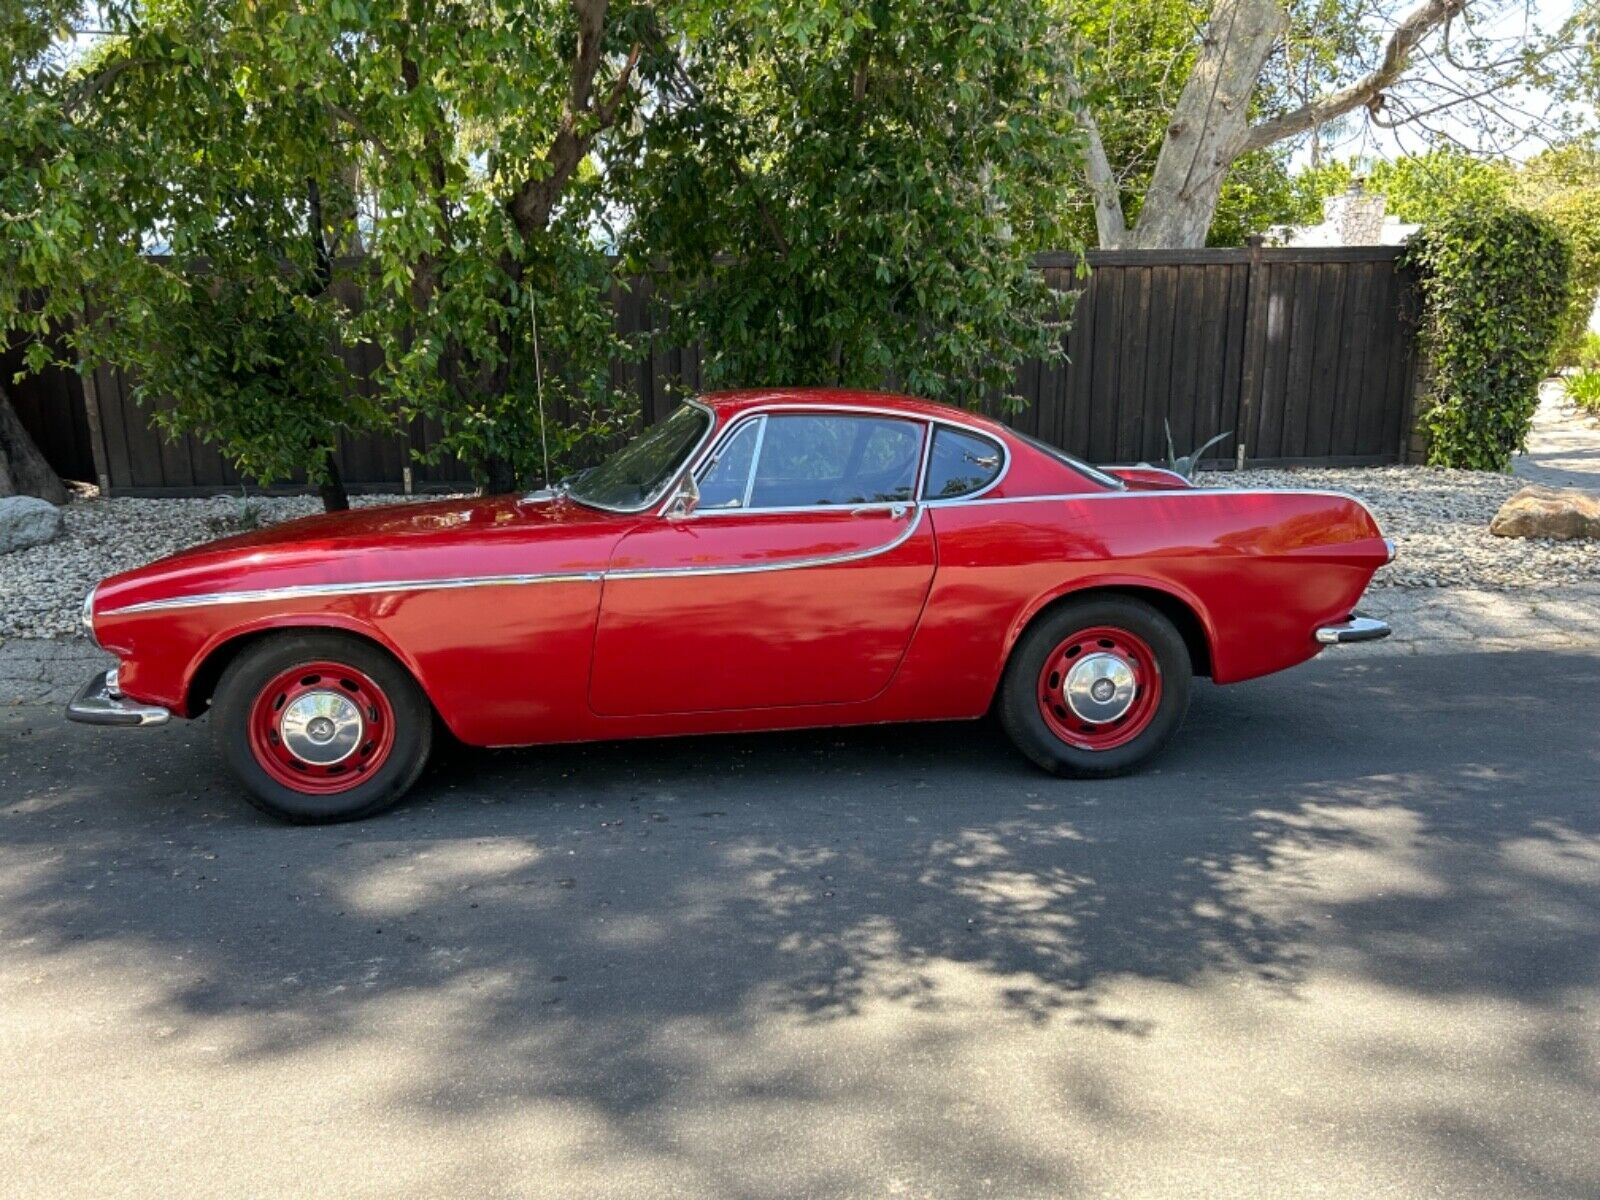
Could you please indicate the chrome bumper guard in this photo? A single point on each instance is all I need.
(98, 702)
(1356, 629)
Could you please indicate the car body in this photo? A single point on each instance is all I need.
(879, 558)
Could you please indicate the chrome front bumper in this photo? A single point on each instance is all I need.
(98, 702)
(1356, 629)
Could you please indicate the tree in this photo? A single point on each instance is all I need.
(24, 44)
(1135, 63)
(1563, 185)
(256, 139)
(1258, 75)
(849, 194)
(1420, 189)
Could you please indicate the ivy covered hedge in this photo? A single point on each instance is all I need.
(1494, 286)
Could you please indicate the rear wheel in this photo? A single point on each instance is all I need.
(321, 727)
(1096, 687)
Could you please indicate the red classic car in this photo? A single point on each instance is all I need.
(759, 560)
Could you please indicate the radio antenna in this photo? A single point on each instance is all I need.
(538, 382)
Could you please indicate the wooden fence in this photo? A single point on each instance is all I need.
(1308, 355)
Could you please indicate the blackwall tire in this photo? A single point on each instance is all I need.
(1117, 648)
(285, 692)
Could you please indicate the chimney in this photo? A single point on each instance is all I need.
(1355, 216)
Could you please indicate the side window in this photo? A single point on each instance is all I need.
(807, 460)
(723, 484)
(960, 464)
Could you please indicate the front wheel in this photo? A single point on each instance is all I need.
(1096, 687)
(321, 727)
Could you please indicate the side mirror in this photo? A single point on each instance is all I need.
(685, 500)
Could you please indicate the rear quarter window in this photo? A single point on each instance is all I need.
(961, 463)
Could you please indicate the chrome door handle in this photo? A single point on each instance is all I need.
(896, 510)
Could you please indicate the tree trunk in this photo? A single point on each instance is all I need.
(22, 468)
(1210, 125)
(331, 489)
(500, 475)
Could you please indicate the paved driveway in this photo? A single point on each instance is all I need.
(1345, 941)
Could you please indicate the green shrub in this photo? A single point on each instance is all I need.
(1588, 354)
(1494, 286)
(1583, 389)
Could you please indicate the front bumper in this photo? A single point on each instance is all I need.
(98, 702)
(1356, 629)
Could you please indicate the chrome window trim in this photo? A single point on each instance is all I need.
(755, 461)
(724, 443)
(761, 414)
(673, 477)
(965, 497)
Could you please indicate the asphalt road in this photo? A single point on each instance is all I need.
(1344, 941)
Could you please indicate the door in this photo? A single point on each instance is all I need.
(798, 580)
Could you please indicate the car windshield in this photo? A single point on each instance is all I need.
(635, 476)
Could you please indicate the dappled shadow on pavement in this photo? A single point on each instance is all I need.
(1351, 919)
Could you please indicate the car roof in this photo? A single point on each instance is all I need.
(729, 404)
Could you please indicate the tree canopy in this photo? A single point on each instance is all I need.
(849, 194)
(1184, 100)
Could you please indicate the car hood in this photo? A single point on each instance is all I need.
(438, 539)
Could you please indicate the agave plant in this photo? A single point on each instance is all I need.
(1187, 464)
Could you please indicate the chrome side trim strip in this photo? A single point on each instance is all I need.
(1173, 493)
(823, 560)
(359, 589)
(476, 581)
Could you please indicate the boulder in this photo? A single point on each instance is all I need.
(1547, 512)
(28, 521)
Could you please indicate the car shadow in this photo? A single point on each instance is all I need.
(664, 930)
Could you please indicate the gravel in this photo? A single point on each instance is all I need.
(42, 589)
(1439, 521)
(1438, 518)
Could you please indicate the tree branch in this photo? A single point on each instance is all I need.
(1416, 25)
(1110, 223)
(536, 199)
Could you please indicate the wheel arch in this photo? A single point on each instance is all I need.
(1183, 609)
(214, 657)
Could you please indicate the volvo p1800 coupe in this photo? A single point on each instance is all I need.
(759, 560)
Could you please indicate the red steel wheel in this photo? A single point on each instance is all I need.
(321, 728)
(1099, 688)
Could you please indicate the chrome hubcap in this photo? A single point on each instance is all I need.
(1099, 688)
(321, 728)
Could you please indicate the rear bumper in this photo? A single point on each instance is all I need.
(98, 702)
(1356, 629)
